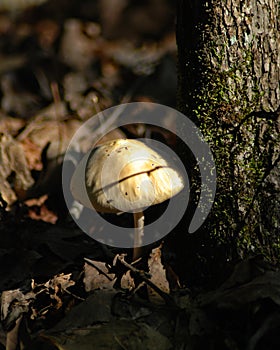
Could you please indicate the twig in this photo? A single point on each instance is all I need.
(143, 275)
(73, 295)
(91, 263)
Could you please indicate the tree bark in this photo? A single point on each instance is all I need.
(240, 38)
(228, 83)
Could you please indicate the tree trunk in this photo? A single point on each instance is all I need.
(229, 72)
(239, 40)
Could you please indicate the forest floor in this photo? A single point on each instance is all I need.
(61, 63)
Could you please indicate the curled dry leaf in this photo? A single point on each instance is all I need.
(13, 304)
(38, 210)
(158, 275)
(33, 155)
(8, 124)
(15, 177)
(62, 281)
(127, 282)
(42, 131)
(50, 137)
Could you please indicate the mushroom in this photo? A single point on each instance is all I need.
(125, 175)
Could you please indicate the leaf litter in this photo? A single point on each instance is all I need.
(59, 288)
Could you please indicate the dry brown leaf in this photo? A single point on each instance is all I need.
(13, 304)
(13, 164)
(127, 282)
(59, 284)
(53, 137)
(42, 131)
(97, 276)
(33, 155)
(37, 210)
(158, 276)
(10, 125)
(172, 278)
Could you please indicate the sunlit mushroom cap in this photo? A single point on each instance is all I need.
(125, 176)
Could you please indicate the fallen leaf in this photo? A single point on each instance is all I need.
(115, 335)
(97, 276)
(158, 275)
(10, 125)
(95, 309)
(32, 154)
(15, 177)
(37, 210)
(13, 304)
(61, 280)
(251, 280)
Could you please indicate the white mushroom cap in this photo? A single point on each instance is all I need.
(125, 176)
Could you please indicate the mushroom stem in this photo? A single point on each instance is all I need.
(138, 234)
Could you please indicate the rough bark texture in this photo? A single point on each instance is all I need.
(229, 72)
(248, 32)
(240, 39)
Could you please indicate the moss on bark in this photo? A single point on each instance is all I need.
(223, 63)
